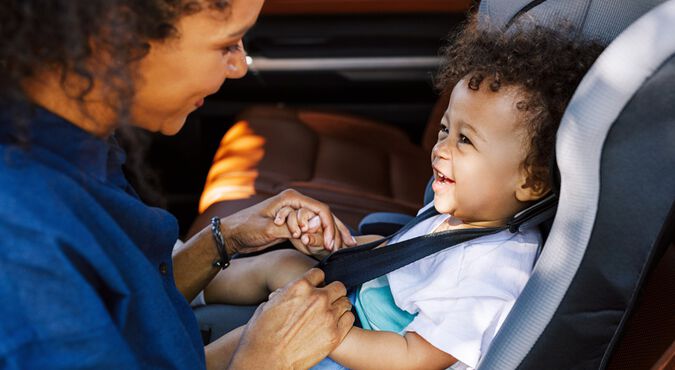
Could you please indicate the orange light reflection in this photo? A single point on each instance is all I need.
(234, 170)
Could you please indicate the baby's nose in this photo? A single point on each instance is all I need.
(441, 150)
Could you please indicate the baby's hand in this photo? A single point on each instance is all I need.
(306, 231)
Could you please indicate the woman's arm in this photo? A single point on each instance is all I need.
(299, 325)
(248, 230)
(367, 349)
(219, 353)
(193, 263)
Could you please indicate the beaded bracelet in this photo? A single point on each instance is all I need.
(224, 259)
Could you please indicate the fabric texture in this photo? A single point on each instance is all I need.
(85, 267)
(455, 299)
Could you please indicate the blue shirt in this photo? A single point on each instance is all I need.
(86, 279)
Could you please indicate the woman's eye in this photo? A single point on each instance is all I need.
(231, 49)
(464, 140)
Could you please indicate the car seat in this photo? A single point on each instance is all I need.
(355, 165)
(615, 219)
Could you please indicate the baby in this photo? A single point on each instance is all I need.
(491, 160)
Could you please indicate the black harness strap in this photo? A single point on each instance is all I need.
(354, 266)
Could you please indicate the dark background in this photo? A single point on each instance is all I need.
(401, 96)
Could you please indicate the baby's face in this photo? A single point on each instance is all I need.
(477, 158)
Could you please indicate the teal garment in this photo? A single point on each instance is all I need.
(377, 310)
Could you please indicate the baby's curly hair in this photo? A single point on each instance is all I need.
(545, 64)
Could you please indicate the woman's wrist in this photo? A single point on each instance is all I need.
(223, 259)
(230, 243)
(193, 264)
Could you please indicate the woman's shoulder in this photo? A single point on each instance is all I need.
(26, 182)
(38, 201)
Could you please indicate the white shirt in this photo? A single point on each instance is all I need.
(460, 296)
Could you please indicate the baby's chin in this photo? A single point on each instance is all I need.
(442, 206)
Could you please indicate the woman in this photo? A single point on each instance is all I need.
(86, 273)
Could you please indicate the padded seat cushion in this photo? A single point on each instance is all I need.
(355, 165)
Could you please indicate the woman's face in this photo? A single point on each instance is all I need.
(178, 73)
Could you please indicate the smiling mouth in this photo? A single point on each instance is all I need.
(441, 183)
(444, 180)
(441, 178)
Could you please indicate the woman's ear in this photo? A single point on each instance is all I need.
(531, 186)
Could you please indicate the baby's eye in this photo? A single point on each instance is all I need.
(443, 129)
(464, 140)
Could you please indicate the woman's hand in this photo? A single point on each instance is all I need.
(299, 325)
(307, 234)
(253, 228)
(248, 230)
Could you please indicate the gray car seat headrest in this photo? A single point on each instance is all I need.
(616, 157)
(600, 20)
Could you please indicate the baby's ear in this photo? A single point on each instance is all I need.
(531, 187)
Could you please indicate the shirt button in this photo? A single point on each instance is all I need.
(163, 268)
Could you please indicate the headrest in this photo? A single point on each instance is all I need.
(600, 20)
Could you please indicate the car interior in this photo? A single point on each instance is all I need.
(339, 103)
(351, 81)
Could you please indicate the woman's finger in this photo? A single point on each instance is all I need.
(296, 200)
(335, 291)
(345, 323)
(347, 237)
(315, 277)
(292, 224)
(341, 305)
(282, 214)
(273, 294)
(337, 241)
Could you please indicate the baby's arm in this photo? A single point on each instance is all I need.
(364, 239)
(250, 280)
(367, 349)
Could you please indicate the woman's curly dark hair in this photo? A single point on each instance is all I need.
(545, 64)
(63, 34)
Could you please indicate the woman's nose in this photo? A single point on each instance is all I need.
(236, 64)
